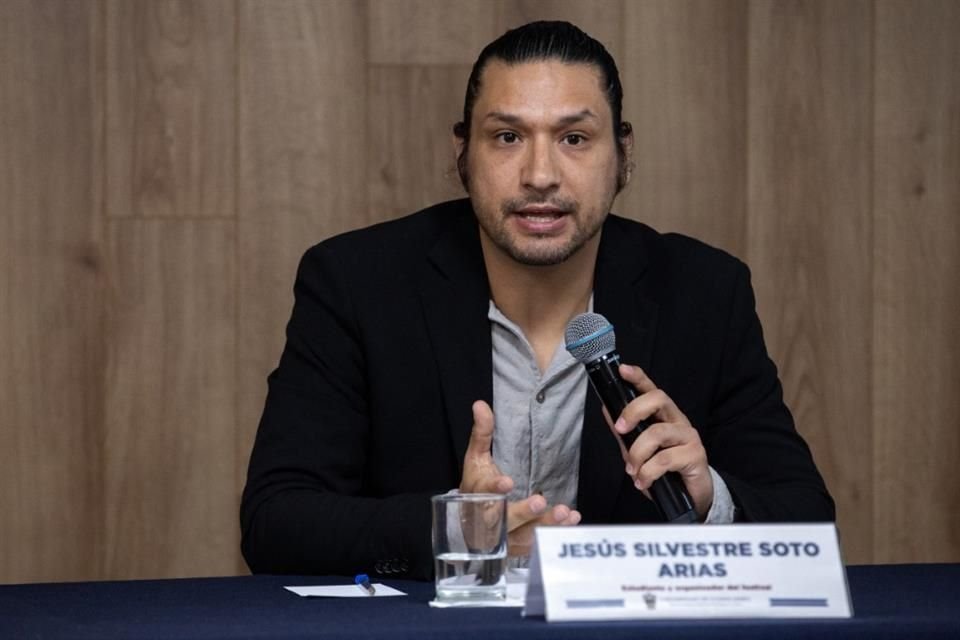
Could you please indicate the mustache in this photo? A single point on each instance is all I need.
(561, 204)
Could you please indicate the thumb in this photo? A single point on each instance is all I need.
(481, 436)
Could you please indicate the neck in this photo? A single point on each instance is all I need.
(541, 300)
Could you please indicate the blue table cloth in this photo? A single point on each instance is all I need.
(890, 601)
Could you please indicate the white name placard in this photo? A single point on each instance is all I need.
(687, 571)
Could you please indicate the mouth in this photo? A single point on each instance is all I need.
(540, 214)
(541, 220)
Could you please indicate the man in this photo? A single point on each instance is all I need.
(426, 354)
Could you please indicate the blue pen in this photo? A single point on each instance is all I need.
(363, 581)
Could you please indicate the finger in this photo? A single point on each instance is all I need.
(685, 459)
(655, 403)
(520, 540)
(525, 511)
(658, 400)
(660, 435)
(663, 447)
(637, 377)
(493, 514)
(623, 449)
(696, 476)
(653, 469)
(559, 515)
(480, 473)
(572, 518)
(689, 459)
(481, 436)
(492, 481)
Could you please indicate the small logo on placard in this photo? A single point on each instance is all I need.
(650, 600)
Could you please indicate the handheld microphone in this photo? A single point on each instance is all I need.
(590, 339)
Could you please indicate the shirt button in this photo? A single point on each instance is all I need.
(540, 397)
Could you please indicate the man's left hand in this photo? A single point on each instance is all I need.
(669, 444)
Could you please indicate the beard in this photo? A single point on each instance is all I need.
(529, 250)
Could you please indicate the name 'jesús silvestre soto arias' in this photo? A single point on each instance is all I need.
(686, 551)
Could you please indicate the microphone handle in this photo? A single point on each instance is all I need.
(668, 491)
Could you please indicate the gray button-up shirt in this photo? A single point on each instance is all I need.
(538, 416)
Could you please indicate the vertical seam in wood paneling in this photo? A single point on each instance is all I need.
(871, 203)
(745, 214)
(103, 84)
(368, 74)
(625, 62)
(237, 151)
(106, 281)
(748, 115)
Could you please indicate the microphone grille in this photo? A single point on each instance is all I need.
(589, 336)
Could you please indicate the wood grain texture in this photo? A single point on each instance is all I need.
(51, 288)
(304, 171)
(411, 112)
(916, 374)
(685, 83)
(171, 108)
(420, 32)
(809, 230)
(169, 463)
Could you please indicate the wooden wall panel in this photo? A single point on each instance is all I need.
(171, 108)
(429, 32)
(916, 373)
(819, 140)
(303, 167)
(51, 344)
(685, 77)
(809, 230)
(170, 468)
(425, 32)
(411, 112)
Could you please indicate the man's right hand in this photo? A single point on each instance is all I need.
(481, 475)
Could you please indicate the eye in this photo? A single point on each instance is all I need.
(508, 137)
(574, 139)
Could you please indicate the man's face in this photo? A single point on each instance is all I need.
(542, 160)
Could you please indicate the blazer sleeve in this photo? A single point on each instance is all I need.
(751, 440)
(303, 509)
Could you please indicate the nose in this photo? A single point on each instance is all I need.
(540, 171)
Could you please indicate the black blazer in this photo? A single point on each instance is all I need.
(368, 413)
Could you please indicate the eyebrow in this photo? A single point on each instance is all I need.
(573, 118)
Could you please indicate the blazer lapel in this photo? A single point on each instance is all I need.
(455, 295)
(619, 295)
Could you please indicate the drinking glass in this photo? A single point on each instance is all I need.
(470, 546)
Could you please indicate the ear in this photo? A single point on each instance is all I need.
(626, 139)
(457, 145)
(458, 138)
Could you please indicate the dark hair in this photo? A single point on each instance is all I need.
(547, 41)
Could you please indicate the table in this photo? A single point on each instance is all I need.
(890, 601)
